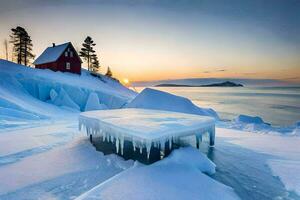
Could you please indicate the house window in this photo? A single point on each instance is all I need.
(66, 54)
(68, 66)
(71, 53)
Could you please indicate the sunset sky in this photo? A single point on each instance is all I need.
(151, 40)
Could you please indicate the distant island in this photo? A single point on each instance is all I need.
(223, 84)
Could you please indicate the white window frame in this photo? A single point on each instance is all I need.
(71, 54)
(66, 54)
(68, 66)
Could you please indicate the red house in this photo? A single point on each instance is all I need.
(61, 57)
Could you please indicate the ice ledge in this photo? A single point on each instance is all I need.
(145, 128)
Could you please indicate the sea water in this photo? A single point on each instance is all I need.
(279, 106)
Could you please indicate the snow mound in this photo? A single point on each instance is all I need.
(159, 100)
(172, 178)
(191, 157)
(93, 103)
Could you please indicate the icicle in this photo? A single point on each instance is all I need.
(162, 145)
(148, 148)
(170, 144)
(134, 145)
(141, 149)
(104, 136)
(117, 145)
(122, 145)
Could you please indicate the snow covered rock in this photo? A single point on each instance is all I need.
(93, 103)
(159, 100)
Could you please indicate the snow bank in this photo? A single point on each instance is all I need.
(159, 100)
(173, 178)
(63, 89)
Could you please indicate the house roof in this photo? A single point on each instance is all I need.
(51, 54)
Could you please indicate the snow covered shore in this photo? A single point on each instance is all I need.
(44, 156)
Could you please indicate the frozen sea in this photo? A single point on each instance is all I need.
(279, 106)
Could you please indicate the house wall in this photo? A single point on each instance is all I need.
(60, 64)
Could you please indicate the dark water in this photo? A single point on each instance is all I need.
(279, 106)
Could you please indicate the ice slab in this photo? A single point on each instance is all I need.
(145, 127)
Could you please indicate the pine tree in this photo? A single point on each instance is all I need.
(108, 73)
(22, 45)
(87, 52)
(95, 66)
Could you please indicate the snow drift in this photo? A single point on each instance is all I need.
(159, 100)
(176, 177)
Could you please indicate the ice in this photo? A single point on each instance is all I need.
(284, 150)
(258, 125)
(93, 103)
(159, 100)
(145, 127)
(179, 176)
(249, 119)
(63, 99)
(39, 83)
(288, 172)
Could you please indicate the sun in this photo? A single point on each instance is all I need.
(125, 81)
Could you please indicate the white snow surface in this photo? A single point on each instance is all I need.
(159, 100)
(52, 155)
(285, 149)
(145, 127)
(51, 54)
(177, 177)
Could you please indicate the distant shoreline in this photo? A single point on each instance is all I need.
(223, 84)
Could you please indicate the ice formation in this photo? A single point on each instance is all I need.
(145, 127)
(159, 100)
(93, 103)
(70, 89)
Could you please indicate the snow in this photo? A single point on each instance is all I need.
(93, 103)
(285, 152)
(159, 100)
(43, 156)
(37, 92)
(257, 125)
(51, 54)
(145, 127)
(176, 177)
(288, 172)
